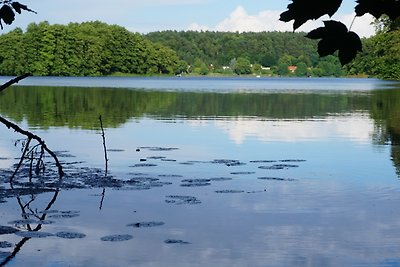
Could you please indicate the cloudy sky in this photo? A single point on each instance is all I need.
(153, 15)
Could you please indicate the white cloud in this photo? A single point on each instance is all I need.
(268, 20)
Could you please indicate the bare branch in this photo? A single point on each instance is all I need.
(13, 81)
(33, 136)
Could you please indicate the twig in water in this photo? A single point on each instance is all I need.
(104, 146)
(106, 161)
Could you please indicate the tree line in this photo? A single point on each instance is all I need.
(85, 49)
(97, 49)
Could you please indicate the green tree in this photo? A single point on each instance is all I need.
(242, 66)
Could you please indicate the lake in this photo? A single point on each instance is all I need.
(203, 172)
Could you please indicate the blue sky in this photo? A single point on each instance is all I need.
(153, 15)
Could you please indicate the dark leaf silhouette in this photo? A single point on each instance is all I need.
(18, 7)
(302, 10)
(7, 14)
(335, 36)
(378, 8)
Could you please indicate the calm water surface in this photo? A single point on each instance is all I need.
(204, 172)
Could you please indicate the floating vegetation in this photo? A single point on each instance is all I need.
(263, 161)
(159, 148)
(242, 173)
(65, 215)
(5, 230)
(169, 160)
(116, 238)
(143, 165)
(156, 157)
(139, 180)
(2, 158)
(115, 150)
(159, 184)
(64, 154)
(70, 235)
(276, 179)
(186, 163)
(176, 241)
(33, 234)
(5, 244)
(145, 224)
(178, 200)
(137, 173)
(229, 191)
(170, 175)
(45, 222)
(257, 191)
(195, 182)
(220, 179)
(292, 160)
(23, 222)
(4, 255)
(49, 211)
(278, 167)
(228, 162)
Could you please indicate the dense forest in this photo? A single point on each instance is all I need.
(95, 49)
(86, 49)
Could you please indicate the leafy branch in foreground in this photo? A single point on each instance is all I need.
(7, 11)
(334, 32)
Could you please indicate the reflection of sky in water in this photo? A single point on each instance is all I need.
(340, 210)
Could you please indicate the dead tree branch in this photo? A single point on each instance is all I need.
(13, 81)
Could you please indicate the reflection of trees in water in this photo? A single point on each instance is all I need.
(80, 107)
(385, 110)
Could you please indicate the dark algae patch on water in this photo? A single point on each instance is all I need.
(179, 200)
(116, 238)
(145, 224)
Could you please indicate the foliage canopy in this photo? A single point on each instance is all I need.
(303, 10)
